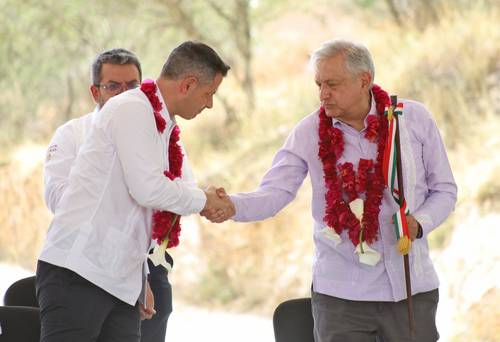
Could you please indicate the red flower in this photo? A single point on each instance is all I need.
(148, 86)
(160, 122)
(348, 181)
(372, 128)
(364, 167)
(370, 179)
(337, 141)
(381, 99)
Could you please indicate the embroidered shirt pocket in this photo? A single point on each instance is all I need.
(121, 255)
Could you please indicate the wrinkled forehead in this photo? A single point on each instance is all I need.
(332, 68)
(119, 73)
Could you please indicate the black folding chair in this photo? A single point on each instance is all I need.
(293, 321)
(19, 324)
(20, 317)
(21, 293)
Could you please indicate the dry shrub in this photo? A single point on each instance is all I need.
(23, 213)
(257, 264)
(451, 67)
(488, 195)
(480, 324)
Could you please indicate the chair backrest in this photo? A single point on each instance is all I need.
(19, 323)
(21, 293)
(293, 321)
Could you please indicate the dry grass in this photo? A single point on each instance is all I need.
(451, 67)
(481, 323)
(488, 195)
(23, 213)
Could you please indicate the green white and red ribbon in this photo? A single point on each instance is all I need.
(389, 168)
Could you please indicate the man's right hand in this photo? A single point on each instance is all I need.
(148, 310)
(218, 207)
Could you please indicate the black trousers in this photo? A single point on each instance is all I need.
(73, 309)
(154, 329)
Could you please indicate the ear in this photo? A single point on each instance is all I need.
(188, 83)
(95, 93)
(366, 79)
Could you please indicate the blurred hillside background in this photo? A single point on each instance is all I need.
(444, 53)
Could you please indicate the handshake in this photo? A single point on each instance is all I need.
(218, 207)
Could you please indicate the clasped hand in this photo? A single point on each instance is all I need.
(218, 207)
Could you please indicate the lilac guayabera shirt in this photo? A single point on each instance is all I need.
(429, 188)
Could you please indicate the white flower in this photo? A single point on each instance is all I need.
(357, 208)
(368, 256)
(158, 256)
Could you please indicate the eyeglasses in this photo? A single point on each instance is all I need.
(114, 87)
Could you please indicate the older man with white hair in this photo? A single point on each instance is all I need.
(358, 285)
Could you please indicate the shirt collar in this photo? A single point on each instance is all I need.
(164, 110)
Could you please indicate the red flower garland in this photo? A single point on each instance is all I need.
(166, 225)
(370, 179)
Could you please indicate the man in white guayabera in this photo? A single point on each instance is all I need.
(113, 72)
(92, 268)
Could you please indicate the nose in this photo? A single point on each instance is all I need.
(123, 87)
(119, 88)
(324, 93)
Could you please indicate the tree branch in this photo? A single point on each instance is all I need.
(218, 9)
(184, 20)
(395, 12)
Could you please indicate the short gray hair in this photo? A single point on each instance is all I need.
(357, 57)
(114, 56)
(194, 58)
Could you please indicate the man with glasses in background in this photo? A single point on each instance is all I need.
(113, 72)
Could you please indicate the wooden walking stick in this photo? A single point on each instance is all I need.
(393, 169)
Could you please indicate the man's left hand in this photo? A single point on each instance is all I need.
(147, 311)
(412, 226)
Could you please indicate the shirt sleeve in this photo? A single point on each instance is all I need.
(136, 141)
(61, 154)
(279, 185)
(442, 189)
(187, 171)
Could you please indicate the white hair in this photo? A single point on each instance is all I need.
(357, 57)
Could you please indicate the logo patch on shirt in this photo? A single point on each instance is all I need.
(50, 150)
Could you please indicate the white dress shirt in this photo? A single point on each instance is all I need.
(102, 224)
(61, 154)
(63, 149)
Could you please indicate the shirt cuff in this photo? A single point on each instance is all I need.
(238, 216)
(420, 232)
(425, 222)
(199, 199)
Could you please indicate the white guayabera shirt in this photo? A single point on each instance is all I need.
(102, 224)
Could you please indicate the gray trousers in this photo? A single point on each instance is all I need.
(340, 320)
(73, 309)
